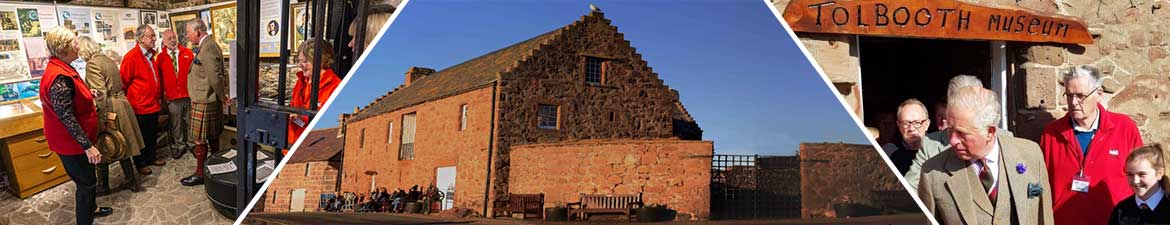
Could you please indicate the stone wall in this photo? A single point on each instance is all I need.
(630, 103)
(1131, 47)
(674, 173)
(833, 173)
(320, 179)
(438, 143)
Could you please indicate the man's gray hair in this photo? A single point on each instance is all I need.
(910, 102)
(141, 31)
(981, 102)
(198, 25)
(962, 81)
(1083, 71)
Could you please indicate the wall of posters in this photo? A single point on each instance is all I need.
(223, 25)
(23, 51)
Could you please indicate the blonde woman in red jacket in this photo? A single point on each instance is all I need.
(71, 122)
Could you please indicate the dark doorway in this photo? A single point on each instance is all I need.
(896, 69)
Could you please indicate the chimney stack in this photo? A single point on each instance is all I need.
(415, 73)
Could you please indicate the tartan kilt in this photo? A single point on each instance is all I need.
(205, 121)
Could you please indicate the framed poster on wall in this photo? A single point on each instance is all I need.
(149, 18)
(299, 26)
(223, 25)
(178, 22)
(270, 28)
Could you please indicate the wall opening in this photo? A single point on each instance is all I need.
(896, 69)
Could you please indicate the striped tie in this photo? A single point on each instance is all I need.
(987, 180)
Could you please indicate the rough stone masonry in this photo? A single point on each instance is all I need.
(1131, 47)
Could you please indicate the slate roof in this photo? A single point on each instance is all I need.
(319, 145)
(467, 76)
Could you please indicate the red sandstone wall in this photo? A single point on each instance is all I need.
(672, 172)
(438, 143)
(835, 173)
(555, 74)
(322, 178)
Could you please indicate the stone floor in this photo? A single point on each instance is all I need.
(165, 201)
(296, 218)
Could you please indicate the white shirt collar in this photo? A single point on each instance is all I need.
(145, 51)
(1092, 127)
(204, 38)
(992, 163)
(1154, 199)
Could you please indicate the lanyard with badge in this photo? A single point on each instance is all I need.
(1080, 182)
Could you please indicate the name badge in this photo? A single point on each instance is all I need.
(297, 120)
(1080, 184)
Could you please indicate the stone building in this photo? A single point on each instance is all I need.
(1129, 44)
(313, 170)
(574, 110)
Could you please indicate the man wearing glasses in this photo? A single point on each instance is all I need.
(913, 121)
(1085, 152)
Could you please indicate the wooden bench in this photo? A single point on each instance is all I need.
(593, 204)
(519, 203)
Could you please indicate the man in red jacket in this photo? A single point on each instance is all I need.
(140, 79)
(1085, 152)
(174, 62)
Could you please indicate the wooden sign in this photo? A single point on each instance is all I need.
(948, 19)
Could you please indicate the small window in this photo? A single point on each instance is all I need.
(547, 116)
(390, 132)
(307, 166)
(463, 117)
(362, 138)
(594, 70)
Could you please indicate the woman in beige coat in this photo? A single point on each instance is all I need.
(118, 137)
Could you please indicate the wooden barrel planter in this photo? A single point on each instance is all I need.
(411, 207)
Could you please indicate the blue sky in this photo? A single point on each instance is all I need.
(738, 72)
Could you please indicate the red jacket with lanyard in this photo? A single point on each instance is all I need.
(57, 136)
(1104, 168)
(302, 93)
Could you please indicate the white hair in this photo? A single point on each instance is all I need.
(962, 81)
(198, 25)
(981, 102)
(1083, 71)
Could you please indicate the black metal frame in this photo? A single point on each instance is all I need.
(265, 123)
(744, 187)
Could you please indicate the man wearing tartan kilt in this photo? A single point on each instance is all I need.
(207, 87)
